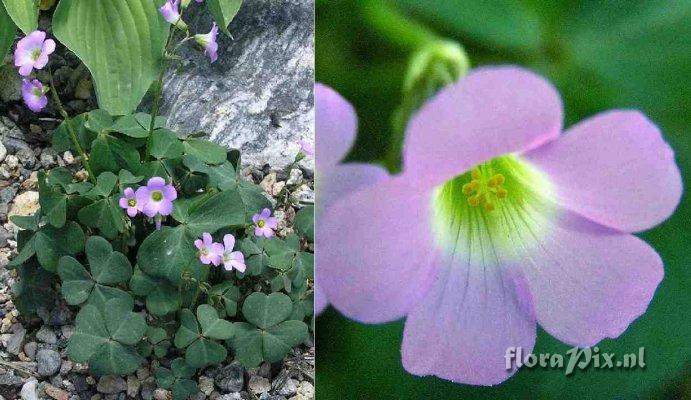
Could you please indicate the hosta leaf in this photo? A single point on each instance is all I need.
(168, 253)
(76, 281)
(108, 267)
(208, 152)
(212, 326)
(112, 154)
(52, 243)
(223, 12)
(165, 144)
(24, 13)
(205, 352)
(120, 41)
(105, 215)
(266, 311)
(7, 32)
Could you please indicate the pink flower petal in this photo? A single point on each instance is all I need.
(376, 253)
(492, 111)
(343, 179)
(320, 301)
(462, 329)
(336, 125)
(229, 242)
(614, 168)
(589, 282)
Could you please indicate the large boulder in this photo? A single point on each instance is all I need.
(258, 96)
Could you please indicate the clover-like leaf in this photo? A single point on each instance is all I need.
(34, 289)
(105, 215)
(168, 253)
(178, 379)
(304, 222)
(104, 185)
(109, 153)
(53, 202)
(223, 12)
(52, 243)
(128, 125)
(265, 311)
(105, 339)
(164, 144)
(252, 345)
(208, 152)
(201, 350)
(162, 298)
(228, 294)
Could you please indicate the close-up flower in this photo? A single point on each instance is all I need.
(34, 94)
(32, 52)
(232, 259)
(156, 198)
(264, 223)
(500, 222)
(306, 147)
(210, 252)
(171, 13)
(209, 42)
(129, 202)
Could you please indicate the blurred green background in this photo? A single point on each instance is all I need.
(600, 55)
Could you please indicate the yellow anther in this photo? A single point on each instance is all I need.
(496, 180)
(501, 192)
(489, 207)
(476, 174)
(474, 201)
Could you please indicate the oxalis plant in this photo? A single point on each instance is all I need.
(164, 249)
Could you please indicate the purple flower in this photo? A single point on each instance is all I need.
(232, 259)
(32, 52)
(129, 202)
(264, 223)
(34, 95)
(499, 222)
(307, 148)
(209, 251)
(209, 42)
(171, 13)
(336, 126)
(156, 198)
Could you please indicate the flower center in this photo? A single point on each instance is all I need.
(261, 223)
(37, 92)
(35, 54)
(497, 202)
(131, 202)
(204, 251)
(157, 195)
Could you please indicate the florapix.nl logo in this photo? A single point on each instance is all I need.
(575, 358)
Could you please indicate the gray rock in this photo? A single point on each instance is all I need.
(258, 96)
(16, 341)
(27, 158)
(11, 136)
(29, 390)
(133, 385)
(147, 390)
(258, 384)
(7, 194)
(232, 396)
(9, 379)
(162, 394)
(5, 236)
(111, 384)
(3, 152)
(48, 362)
(289, 388)
(230, 378)
(266, 396)
(46, 335)
(30, 349)
(206, 385)
(295, 177)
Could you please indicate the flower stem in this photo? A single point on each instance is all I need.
(155, 107)
(70, 129)
(396, 27)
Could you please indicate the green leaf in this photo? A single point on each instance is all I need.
(222, 210)
(212, 326)
(112, 154)
(164, 378)
(24, 13)
(108, 267)
(278, 340)
(165, 144)
(33, 290)
(168, 253)
(7, 32)
(304, 222)
(223, 12)
(247, 345)
(104, 185)
(53, 203)
(266, 311)
(162, 298)
(27, 250)
(29, 222)
(208, 152)
(52, 243)
(120, 41)
(106, 215)
(205, 352)
(104, 339)
(229, 294)
(100, 295)
(181, 369)
(144, 120)
(76, 280)
(128, 125)
(61, 137)
(184, 388)
(127, 178)
(188, 331)
(99, 121)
